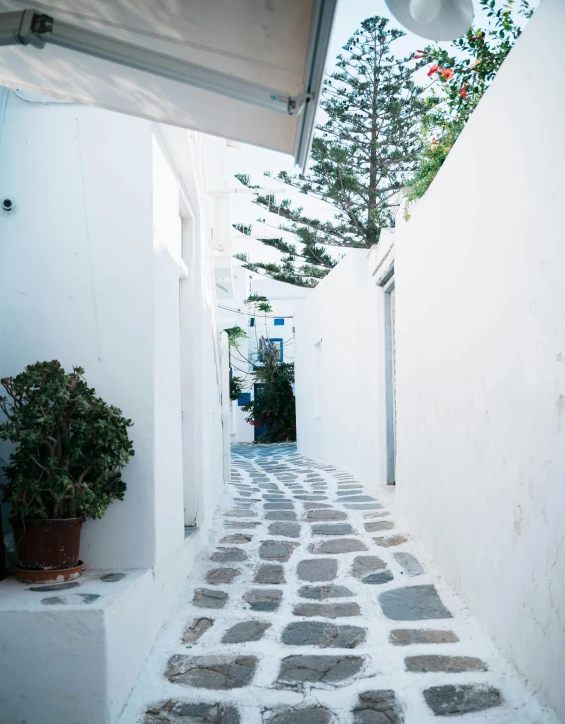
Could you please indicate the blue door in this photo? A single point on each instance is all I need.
(257, 389)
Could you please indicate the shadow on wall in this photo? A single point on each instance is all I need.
(7, 551)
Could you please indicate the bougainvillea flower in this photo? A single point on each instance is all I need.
(463, 91)
(433, 69)
(446, 73)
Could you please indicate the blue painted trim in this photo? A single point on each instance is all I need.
(271, 341)
(281, 346)
(244, 398)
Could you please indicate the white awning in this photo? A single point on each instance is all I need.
(249, 70)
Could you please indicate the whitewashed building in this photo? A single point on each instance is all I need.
(276, 326)
(111, 256)
(436, 361)
(106, 263)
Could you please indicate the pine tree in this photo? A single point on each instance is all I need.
(362, 153)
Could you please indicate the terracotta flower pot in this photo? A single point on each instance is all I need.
(47, 545)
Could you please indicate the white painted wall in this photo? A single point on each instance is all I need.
(76, 282)
(97, 268)
(340, 370)
(168, 459)
(481, 349)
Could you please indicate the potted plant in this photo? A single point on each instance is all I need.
(70, 448)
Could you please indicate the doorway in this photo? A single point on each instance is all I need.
(257, 390)
(190, 390)
(388, 287)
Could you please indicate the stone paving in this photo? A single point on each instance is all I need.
(303, 584)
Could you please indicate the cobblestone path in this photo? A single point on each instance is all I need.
(313, 606)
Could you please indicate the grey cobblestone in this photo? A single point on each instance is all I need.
(293, 599)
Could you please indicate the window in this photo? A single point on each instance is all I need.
(252, 321)
(278, 342)
(244, 398)
(279, 322)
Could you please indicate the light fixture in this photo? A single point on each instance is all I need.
(434, 19)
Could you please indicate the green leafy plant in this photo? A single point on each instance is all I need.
(259, 303)
(461, 75)
(274, 404)
(236, 387)
(235, 333)
(363, 152)
(71, 446)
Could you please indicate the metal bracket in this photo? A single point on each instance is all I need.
(35, 29)
(297, 103)
(25, 28)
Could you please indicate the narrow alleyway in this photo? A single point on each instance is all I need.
(314, 606)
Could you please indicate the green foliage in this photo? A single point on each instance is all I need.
(274, 405)
(236, 387)
(303, 276)
(235, 333)
(461, 75)
(362, 154)
(70, 445)
(431, 160)
(245, 180)
(243, 228)
(259, 303)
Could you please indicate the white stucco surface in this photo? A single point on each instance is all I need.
(480, 350)
(76, 281)
(480, 367)
(340, 370)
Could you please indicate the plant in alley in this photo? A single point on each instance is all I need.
(234, 334)
(258, 303)
(70, 447)
(274, 407)
(236, 386)
(461, 74)
(363, 151)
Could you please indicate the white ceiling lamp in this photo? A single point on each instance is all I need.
(434, 19)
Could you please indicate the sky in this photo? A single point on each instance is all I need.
(255, 161)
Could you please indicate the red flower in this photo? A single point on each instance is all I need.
(419, 54)
(446, 73)
(463, 91)
(434, 69)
